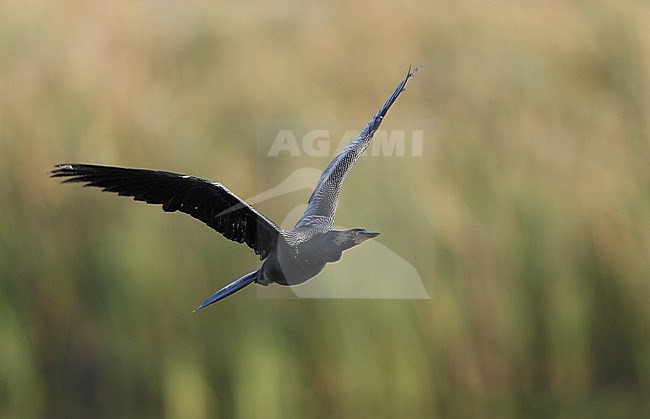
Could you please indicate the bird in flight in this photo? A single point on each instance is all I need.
(290, 257)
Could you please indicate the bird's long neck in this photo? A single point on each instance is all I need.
(335, 242)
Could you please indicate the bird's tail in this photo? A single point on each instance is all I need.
(231, 288)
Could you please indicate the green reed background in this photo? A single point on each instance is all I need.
(528, 216)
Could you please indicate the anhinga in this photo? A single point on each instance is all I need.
(290, 257)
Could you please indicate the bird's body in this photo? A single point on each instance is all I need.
(303, 256)
(290, 257)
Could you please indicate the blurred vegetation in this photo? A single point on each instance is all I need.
(528, 217)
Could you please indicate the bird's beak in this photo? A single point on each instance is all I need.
(367, 235)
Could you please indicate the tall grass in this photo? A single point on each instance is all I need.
(527, 217)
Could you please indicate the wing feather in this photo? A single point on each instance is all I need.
(321, 207)
(205, 200)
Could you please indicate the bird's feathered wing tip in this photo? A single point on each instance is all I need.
(410, 72)
(375, 122)
(229, 289)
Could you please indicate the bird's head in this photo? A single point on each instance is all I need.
(333, 243)
(353, 237)
(360, 235)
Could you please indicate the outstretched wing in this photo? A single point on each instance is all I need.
(203, 199)
(321, 207)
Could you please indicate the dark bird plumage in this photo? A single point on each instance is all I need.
(290, 257)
